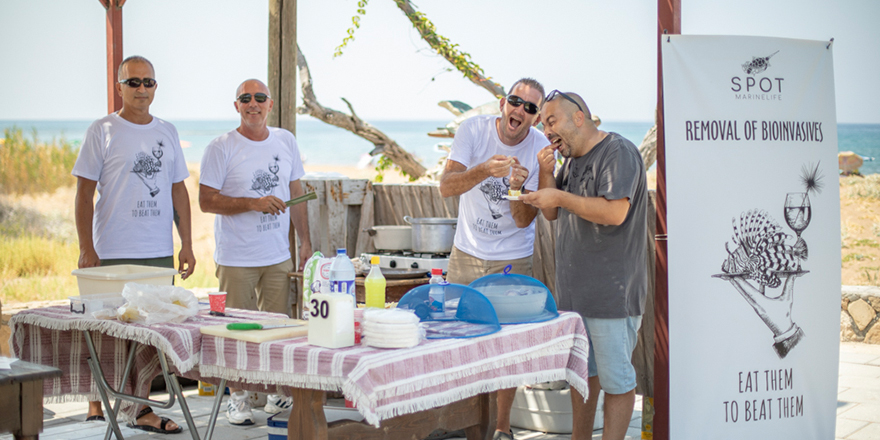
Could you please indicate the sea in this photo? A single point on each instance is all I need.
(324, 144)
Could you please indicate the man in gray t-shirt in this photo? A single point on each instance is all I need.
(599, 199)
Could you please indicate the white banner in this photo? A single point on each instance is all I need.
(754, 237)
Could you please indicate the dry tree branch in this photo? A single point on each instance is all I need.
(448, 50)
(384, 144)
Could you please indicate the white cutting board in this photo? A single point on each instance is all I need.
(259, 336)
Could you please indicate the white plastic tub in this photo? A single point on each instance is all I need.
(515, 303)
(111, 279)
(88, 304)
(548, 410)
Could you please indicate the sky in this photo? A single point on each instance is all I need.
(54, 53)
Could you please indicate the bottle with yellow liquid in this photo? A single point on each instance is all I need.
(374, 285)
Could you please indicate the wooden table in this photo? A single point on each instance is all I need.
(475, 415)
(21, 398)
(121, 358)
(405, 393)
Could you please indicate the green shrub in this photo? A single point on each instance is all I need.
(29, 166)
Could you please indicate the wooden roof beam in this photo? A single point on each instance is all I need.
(114, 50)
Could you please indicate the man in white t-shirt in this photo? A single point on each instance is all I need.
(135, 162)
(246, 175)
(491, 156)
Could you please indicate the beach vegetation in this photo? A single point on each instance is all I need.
(871, 275)
(853, 257)
(31, 166)
(866, 242)
(34, 268)
(867, 187)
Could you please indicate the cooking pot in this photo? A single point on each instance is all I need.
(391, 238)
(432, 235)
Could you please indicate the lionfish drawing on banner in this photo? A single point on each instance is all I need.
(758, 64)
(761, 249)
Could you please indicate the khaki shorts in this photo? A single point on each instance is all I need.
(465, 268)
(264, 288)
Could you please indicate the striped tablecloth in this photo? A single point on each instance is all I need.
(52, 336)
(385, 383)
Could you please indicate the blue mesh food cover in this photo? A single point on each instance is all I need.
(466, 312)
(517, 298)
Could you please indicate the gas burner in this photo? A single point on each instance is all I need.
(409, 260)
(431, 256)
(398, 252)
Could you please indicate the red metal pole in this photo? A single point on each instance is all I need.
(668, 22)
(114, 51)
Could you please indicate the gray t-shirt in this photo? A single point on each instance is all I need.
(601, 270)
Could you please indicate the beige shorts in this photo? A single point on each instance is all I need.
(265, 288)
(465, 268)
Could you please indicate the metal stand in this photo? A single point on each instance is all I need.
(171, 383)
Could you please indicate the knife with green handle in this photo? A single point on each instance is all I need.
(300, 199)
(257, 326)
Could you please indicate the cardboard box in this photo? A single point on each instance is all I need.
(111, 279)
(278, 423)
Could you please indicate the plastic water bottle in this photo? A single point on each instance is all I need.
(437, 293)
(374, 285)
(342, 275)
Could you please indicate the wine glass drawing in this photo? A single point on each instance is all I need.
(797, 214)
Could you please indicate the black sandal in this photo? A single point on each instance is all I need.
(96, 418)
(163, 423)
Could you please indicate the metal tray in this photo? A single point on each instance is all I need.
(400, 273)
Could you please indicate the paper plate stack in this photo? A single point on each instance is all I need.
(392, 328)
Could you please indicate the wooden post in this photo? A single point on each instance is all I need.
(282, 63)
(282, 80)
(114, 51)
(668, 22)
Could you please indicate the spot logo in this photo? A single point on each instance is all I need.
(753, 88)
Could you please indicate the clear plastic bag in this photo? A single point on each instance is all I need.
(150, 304)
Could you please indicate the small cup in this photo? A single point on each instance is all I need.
(218, 302)
(358, 325)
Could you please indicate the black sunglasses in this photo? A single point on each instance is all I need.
(246, 97)
(569, 98)
(516, 101)
(136, 82)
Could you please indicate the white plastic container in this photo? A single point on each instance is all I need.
(515, 303)
(342, 275)
(87, 304)
(548, 410)
(111, 279)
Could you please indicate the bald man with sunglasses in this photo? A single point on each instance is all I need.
(492, 156)
(246, 176)
(599, 201)
(135, 162)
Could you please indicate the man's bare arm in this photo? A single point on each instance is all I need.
(522, 214)
(458, 179)
(546, 179)
(186, 258)
(593, 209)
(210, 200)
(84, 211)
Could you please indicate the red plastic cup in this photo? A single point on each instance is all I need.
(358, 325)
(218, 301)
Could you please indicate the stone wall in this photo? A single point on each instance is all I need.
(859, 314)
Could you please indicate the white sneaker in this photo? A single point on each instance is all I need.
(276, 403)
(238, 409)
